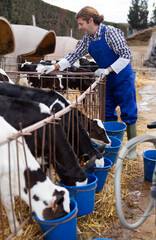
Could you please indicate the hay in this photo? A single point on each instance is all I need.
(30, 231)
(105, 215)
(140, 38)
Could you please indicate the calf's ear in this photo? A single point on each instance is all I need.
(61, 170)
(89, 164)
(59, 197)
(83, 159)
(58, 201)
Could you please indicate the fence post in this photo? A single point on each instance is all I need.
(102, 98)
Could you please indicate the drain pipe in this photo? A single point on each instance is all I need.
(117, 181)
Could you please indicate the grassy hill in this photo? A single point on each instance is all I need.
(47, 16)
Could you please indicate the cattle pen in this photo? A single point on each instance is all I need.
(96, 224)
(91, 103)
(86, 103)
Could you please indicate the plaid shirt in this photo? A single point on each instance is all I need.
(114, 38)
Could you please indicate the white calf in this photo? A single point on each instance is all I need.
(48, 200)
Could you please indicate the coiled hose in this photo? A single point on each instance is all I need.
(117, 181)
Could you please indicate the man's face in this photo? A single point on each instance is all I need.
(86, 27)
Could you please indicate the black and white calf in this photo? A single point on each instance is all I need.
(88, 64)
(48, 201)
(96, 130)
(45, 81)
(15, 110)
(80, 82)
(60, 81)
(56, 101)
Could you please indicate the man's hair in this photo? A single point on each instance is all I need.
(89, 12)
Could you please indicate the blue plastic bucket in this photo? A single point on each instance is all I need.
(84, 195)
(115, 129)
(112, 151)
(149, 157)
(62, 228)
(101, 173)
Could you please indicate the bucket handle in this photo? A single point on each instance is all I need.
(112, 133)
(107, 153)
(76, 191)
(56, 224)
(101, 170)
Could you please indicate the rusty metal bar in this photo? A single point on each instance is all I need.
(77, 128)
(52, 73)
(10, 188)
(69, 117)
(90, 96)
(30, 208)
(50, 152)
(63, 121)
(1, 212)
(73, 128)
(43, 144)
(35, 143)
(19, 182)
(102, 98)
(54, 146)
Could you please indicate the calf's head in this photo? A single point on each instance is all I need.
(98, 133)
(49, 201)
(76, 176)
(58, 207)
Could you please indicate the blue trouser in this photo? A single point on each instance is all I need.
(121, 93)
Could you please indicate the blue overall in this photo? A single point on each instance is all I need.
(120, 88)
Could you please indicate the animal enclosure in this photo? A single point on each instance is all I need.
(83, 107)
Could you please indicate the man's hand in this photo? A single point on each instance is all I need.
(101, 71)
(48, 69)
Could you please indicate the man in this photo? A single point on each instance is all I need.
(108, 47)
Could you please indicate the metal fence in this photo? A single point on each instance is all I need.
(90, 103)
